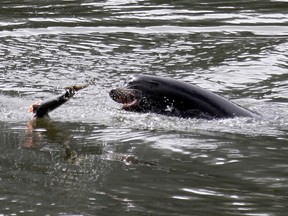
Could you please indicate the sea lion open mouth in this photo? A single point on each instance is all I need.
(125, 96)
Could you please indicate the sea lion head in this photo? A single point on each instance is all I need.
(143, 93)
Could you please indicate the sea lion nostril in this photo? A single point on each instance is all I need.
(112, 93)
(115, 94)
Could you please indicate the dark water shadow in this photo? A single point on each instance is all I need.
(37, 128)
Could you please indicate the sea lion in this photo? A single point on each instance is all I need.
(167, 96)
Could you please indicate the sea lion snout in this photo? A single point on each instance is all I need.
(122, 95)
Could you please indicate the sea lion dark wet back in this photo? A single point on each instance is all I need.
(167, 96)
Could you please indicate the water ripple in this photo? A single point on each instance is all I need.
(236, 49)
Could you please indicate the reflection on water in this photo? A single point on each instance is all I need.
(93, 158)
(36, 128)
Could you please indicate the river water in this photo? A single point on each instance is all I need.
(75, 163)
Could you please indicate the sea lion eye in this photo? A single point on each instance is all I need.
(153, 84)
(133, 83)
